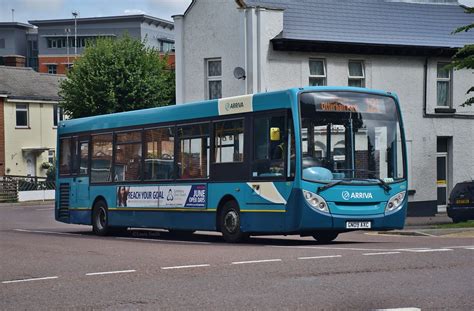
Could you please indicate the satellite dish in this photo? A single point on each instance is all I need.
(239, 73)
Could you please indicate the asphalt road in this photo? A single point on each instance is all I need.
(46, 265)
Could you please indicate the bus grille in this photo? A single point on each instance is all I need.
(63, 211)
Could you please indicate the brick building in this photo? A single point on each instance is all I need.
(60, 41)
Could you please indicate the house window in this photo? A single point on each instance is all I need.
(356, 73)
(214, 78)
(51, 156)
(166, 46)
(52, 69)
(317, 72)
(443, 85)
(2, 43)
(22, 115)
(58, 115)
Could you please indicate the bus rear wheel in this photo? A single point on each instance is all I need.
(325, 236)
(229, 223)
(100, 221)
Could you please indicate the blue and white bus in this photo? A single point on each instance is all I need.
(313, 161)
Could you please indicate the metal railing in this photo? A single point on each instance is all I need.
(10, 185)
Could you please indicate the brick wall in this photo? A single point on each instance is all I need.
(61, 63)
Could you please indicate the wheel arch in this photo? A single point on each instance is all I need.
(223, 200)
(97, 199)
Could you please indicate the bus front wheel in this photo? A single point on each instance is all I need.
(100, 219)
(229, 222)
(325, 236)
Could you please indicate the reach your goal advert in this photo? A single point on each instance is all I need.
(189, 196)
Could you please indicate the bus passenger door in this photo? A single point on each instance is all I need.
(82, 179)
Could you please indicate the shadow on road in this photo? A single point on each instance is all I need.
(142, 235)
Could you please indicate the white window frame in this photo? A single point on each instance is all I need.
(27, 109)
(58, 116)
(323, 76)
(358, 78)
(450, 83)
(212, 78)
(51, 156)
(49, 69)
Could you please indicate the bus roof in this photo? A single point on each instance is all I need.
(195, 110)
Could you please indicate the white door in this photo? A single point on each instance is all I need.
(31, 165)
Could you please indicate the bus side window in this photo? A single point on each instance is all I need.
(101, 158)
(83, 157)
(65, 156)
(193, 151)
(269, 154)
(159, 156)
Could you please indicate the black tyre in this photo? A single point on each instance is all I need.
(325, 236)
(100, 220)
(457, 220)
(229, 223)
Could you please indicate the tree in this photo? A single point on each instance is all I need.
(115, 75)
(464, 58)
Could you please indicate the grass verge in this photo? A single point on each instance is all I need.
(464, 224)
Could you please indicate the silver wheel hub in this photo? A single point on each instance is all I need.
(231, 221)
(102, 218)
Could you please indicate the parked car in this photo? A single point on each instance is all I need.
(461, 202)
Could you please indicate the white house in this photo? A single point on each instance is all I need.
(395, 45)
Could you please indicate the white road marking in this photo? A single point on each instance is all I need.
(163, 241)
(320, 257)
(334, 248)
(254, 261)
(400, 309)
(383, 253)
(463, 246)
(428, 250)
(46, 232)
(29, 280)
(185, 267)
(111, 272)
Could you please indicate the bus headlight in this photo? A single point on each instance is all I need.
(317, 202)
(395, 202)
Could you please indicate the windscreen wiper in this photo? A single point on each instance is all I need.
(383, 184)
(327, 186)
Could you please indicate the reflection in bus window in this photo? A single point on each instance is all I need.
(159, 159)
(101, 159)
(128, 156)
(229, 141)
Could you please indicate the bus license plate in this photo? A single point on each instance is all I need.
(461, 201)
(358, 225)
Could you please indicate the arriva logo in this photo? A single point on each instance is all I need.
(346, 195)
(237, 105)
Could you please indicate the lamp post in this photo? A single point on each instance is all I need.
(67, 31)
(75, 14)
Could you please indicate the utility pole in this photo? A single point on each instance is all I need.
(67, 30)
(75, 14)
